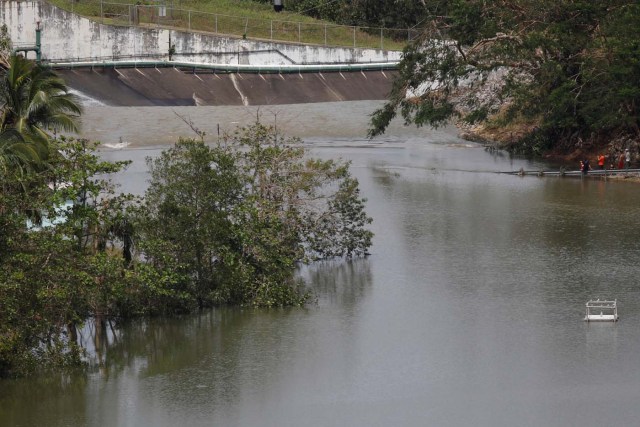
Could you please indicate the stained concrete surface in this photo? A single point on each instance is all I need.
(173, 87)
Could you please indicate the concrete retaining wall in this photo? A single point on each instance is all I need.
(66, 36)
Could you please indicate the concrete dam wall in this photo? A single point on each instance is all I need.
(69, 38)
(171, 86)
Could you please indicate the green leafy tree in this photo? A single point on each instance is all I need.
(220, 225)
(81, 179)
(52, 274)
(234, 219)
(559, 69)
(184, 226)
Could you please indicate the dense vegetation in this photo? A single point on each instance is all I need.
(366, 13)
(247, 18)
(220, 224)
(231, 221)
(562, 74)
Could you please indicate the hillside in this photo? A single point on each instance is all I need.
(247, 19)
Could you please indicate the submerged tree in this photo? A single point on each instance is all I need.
(53, 275)
(220, 225)
(235, 218)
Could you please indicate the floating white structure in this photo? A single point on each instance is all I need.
(602, 311)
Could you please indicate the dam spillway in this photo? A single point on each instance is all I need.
(206, 69)
(173, 86)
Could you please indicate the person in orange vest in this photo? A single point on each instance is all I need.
(601, 161)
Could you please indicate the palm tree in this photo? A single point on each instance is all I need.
(17, 154)
(33, 102)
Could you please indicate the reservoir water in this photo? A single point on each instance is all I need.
(467, 313)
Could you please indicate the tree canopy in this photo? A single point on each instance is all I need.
(235, 218)
(565, 71)
(399, 14)
(220, 224)
(51, 277)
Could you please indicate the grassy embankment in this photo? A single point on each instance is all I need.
(237, 18)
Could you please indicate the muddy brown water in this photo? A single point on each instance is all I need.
(468, 312)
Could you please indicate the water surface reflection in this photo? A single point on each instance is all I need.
(468, 312)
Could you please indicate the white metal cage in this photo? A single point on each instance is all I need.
(601, 311)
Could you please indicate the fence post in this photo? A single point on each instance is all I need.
(101, 14)
(271, 21)
(299, 33)
(216, 24)
(325, 34)
(354, 36)
(189, 19)
(381, 40)
(129, 15)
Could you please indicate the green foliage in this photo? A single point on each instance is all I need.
(82, 177)
(58, 214)
(5, 45)
(365, 13)
(18, 154)
(316, 9)
(51, 278)
(34, 99)
(186, 210)
(219, 225)
(233, 220)
(250, 19)
(33, 102)
(571, 67)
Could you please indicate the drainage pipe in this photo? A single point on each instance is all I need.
(37, 48)
(230, 68)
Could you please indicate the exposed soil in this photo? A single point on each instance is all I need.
(612, 146)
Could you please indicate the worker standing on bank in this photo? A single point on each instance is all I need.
(601, 161)
(627, 158)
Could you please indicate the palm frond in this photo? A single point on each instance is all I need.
(34, 100)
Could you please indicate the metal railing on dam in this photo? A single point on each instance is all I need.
(166, 16)
(217, 60)
(226, 68)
